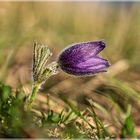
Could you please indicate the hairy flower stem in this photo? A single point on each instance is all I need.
(32, 96)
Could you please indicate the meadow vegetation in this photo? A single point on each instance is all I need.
(106, 105)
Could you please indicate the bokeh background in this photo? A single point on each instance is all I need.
(59, 24)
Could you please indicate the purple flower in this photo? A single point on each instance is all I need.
(82, 59)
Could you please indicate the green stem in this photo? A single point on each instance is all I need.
(48, 101)
(32, 96)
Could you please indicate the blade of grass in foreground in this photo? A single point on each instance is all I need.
(128, 127)
(128, 91)
(99, 124)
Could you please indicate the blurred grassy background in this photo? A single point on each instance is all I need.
(59, 24)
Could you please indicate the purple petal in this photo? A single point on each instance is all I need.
(81, 51)
(91, 66)
(92, 62)
(80, 71)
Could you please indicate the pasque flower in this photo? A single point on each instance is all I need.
(77, 59)
(83, 59)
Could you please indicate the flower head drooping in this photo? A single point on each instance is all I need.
(82, 59)
(41, 69)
